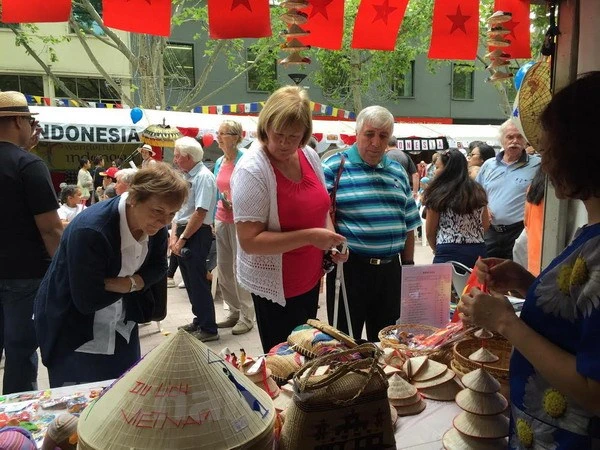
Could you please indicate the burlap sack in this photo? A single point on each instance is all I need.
(345, 408)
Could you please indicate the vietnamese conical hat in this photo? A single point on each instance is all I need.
(488, 427)
(444, 392)
(483, 355)
(482, 333)
(534, 95)
(431, 369)
(393, 415)
(480, 380)
(411, 409)
(179, 396)
(455, 440)
(413, 365)
(441, 379)
(406, 401)
(482, 404)
(399, 388)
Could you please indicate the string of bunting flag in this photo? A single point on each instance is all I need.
(245, 108)
(38, 100)
(455, 26)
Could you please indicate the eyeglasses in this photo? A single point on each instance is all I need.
(218, 133)
(31, 120)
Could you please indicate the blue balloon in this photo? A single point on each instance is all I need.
(520, 75)
(136, 115)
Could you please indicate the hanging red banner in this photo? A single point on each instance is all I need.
(138, 16)
(519, 26)
(231, 19)
(35, 11)
(455, 30)
(377, 24)
(325, 24)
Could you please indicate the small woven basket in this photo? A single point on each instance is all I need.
(386, 337)
(498, 346)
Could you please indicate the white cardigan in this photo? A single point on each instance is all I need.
(254, 191)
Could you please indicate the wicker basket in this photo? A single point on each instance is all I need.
(498, 346)
(443, 354)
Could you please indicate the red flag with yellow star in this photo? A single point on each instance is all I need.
(325, 24)
(377, 24)
(230, 19)
(19, 11)
(519, 37)
(138, 16)
(455, 31)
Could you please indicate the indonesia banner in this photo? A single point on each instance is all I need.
(455, 30)
(30, 11)
(138, 16)
(377, 24)
(520, 35)
(325, 24)
(231, 19)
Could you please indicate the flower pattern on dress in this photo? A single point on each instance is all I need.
(571, 290)
(549, 405)
(530, 433)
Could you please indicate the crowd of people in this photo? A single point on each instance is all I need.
(276, 211)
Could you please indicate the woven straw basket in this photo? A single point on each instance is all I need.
(346, 407)
(500, 347)
(443, 355)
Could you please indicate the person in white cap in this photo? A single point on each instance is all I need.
(147, 155)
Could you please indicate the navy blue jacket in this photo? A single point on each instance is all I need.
(73, 288)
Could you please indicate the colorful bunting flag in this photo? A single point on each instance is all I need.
(138, 16)
(325, 23)
(20, 11)
(377, 24)
(230, 19)
(455, 30)
(519, 37)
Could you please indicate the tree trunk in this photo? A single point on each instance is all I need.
(355, 81)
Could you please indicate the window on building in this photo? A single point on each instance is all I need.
(31, 85)
(178, 60)
(403, 84)
(85, 20)
(5, 25)
(463, 83)
(89, 89)
(261, 77)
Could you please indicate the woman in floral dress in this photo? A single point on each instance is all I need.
(555, 368)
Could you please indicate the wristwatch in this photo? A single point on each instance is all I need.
(134, 286)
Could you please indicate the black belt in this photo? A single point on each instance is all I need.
(372, 260)
(505, 228)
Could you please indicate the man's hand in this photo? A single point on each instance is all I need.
(177, 246)
(35, 135)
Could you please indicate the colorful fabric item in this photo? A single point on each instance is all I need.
(230, 19)
(455, 31)
(138, 16)
(16, 438)
(377, 24)
(325, 24)
(18, 11)
(563, 305)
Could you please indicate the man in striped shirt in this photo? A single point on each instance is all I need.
(376, 213)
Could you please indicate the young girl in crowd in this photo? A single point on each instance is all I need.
(71, 205)
(457, 216)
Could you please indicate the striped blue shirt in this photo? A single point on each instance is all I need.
(375, 207)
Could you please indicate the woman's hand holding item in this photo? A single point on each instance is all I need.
(325, 239)
(122, 285)
(503, 275)
(491, 312)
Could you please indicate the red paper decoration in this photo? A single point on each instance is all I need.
(138, 16)
(30, 11)
(455, 31)
(231, 19)
(377, 24)
(325, 24)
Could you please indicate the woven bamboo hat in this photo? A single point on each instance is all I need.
(482, 404)
(487, 427)
(411, 410)
(444, 392)
(483, 355)
(441, 379)
(431, 369)
(179, 396)
(400, 389)
(13, 103)
(454, 440)
(414, 365)
(480, 380)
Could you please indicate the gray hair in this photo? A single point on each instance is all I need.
(126, 175)
(189, 146)
(504, 127)
(376, 116)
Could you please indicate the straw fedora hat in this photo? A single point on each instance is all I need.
(148, 148)
(181, 395)
(13, 103)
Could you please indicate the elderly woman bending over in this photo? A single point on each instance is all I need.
(280, 207)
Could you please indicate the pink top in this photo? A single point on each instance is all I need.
(224, 187)
(301, 205)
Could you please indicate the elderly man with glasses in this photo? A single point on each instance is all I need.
(31, 230)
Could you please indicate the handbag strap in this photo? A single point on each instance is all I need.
(336, 183)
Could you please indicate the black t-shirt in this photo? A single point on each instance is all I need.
(26, 191)
(405, 160)
(97, 177)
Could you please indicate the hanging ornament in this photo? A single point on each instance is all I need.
(294, 18)
(498, 37)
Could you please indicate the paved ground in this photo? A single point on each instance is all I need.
(179, 313)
